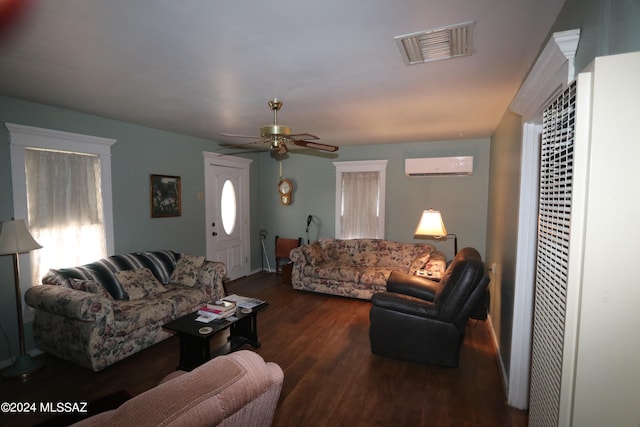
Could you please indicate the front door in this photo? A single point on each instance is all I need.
(227, 212)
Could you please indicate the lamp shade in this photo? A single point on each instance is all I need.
(431, 224)
(15, 238)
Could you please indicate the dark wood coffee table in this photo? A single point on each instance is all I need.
(195, 346)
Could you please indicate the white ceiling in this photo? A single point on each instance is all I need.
(199, 67)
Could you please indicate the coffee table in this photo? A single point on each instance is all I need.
(195, 345)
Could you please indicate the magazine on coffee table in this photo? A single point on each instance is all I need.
(243, 302)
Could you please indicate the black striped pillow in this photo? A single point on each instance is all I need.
(161, 263)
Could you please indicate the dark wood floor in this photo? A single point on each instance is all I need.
(331, 378)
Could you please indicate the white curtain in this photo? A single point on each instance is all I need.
(360, 205)
(64, 204)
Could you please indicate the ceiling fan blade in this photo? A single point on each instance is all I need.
(233, 135)
(233, 153)
(243, 145)
(300, 136)
(316, 145)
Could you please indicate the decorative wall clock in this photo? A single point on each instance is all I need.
(285, 188)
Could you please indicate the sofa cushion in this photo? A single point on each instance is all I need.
(390, 254)
(375, 276)
(185, 299)
(329, 246)
(419, 263)
(186, 271)
(365, 258)
(97, 272)
(436, 266)
(58, 278)
(90, 286)
(161, 264)
(132, 315)
(314, 253)
(334, 271)
(354, 252)
(139, 283)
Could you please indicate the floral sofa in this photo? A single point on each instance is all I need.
(358, 268)
(97, 314)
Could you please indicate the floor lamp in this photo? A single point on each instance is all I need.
(431, 225)
(15, 239)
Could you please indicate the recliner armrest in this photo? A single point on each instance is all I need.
(404, 304)
(409, 284)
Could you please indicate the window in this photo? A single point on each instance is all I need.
(62, 185)
(228, 207)
(360, 199)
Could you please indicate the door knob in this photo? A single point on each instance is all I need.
(214, 234)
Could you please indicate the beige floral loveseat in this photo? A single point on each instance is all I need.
(97, 314)
(358, 268)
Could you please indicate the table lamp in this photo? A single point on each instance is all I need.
(431, 225)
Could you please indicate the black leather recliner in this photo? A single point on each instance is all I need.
(426, 324)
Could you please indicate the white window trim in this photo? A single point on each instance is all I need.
(361, 166)
(22, 137)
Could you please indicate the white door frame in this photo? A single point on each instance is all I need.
(520, 362)
(215, 159)
(552, 72)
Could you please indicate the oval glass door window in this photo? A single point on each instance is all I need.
(228, 207)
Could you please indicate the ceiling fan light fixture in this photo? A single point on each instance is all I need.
(437, 44)
(274, 129)
(278, 144)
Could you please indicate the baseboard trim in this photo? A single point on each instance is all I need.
(503, 371)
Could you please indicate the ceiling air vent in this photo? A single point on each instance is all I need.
(433, 45)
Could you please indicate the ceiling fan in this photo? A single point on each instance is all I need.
(278, 136)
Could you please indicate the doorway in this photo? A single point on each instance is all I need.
(227, 212)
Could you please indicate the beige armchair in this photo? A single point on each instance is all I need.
(239, 389)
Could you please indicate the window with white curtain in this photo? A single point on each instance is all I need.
(62, 186)
(360, 199)
(65, 212)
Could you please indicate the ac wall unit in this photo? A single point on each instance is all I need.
(439, 166)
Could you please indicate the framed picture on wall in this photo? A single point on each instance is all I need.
(166, 199)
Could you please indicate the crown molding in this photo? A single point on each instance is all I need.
(553, 71)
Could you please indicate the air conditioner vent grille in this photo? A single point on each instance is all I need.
(436, 44)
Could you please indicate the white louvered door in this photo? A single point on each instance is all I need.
(585, 345)
(554, 223)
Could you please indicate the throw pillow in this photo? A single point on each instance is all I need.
(139, 283)
(314, 253)
(419, 263)
(186, 271)
(54, 277)
(91, 287)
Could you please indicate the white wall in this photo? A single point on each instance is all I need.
(607, 371)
